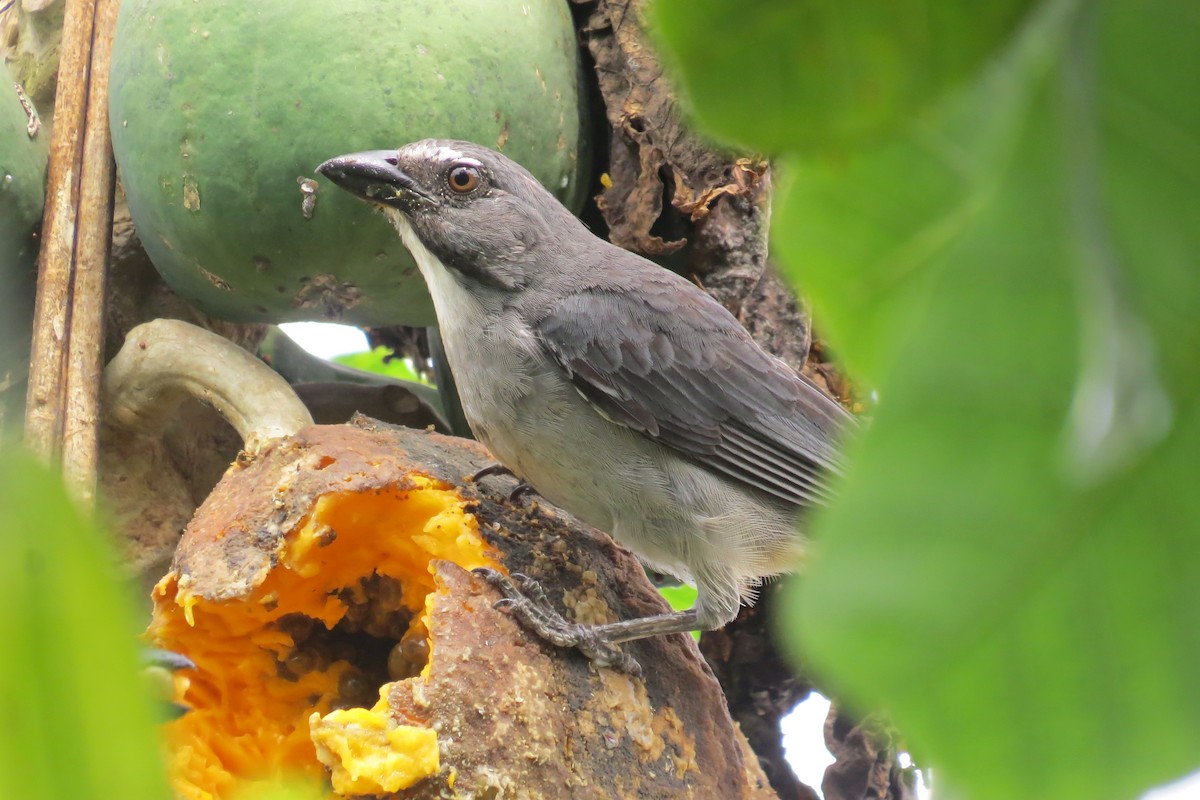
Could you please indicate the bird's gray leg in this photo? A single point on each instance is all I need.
(528, 602)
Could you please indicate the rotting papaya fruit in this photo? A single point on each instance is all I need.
(323, 590)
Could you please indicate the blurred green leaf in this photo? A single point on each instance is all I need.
(379, 361)
(1011, 569)
(796, 74)
(77, 720)
(1015, 551)
(680, 598)
(867, 233)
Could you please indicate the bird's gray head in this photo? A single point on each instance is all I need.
(478, 212)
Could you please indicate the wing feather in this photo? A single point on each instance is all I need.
(673, 364)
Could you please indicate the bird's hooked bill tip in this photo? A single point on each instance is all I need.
(379, 164)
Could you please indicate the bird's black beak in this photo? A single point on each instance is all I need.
(374, 177)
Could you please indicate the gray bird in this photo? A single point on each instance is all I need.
(619, 390)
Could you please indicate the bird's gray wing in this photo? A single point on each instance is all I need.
(672, 363)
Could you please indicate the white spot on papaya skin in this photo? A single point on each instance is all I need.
(308, 192)
(215, 280)
(191, 193)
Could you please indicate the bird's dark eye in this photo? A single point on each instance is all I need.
(463, 178)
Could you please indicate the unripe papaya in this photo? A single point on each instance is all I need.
(221, 110)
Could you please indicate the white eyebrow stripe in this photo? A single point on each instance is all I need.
(434, 152)
(445, 154)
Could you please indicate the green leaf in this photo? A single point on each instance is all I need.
(784, 75)
(680, 598)
(1011, 264)
(380, 361)
(1011, 569)
(866, 232)
(77, 720)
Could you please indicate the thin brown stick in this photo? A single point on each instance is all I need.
(85, 346)
(45, 405)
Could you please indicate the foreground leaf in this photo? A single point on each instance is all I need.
(789, 74)
(77, 720)
(1011, 568)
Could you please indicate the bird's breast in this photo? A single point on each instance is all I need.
(523, 408)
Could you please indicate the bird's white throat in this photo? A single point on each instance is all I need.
(453, 304)
(430, 265)
(411, 241)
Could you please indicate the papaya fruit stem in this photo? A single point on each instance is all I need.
(165, 361)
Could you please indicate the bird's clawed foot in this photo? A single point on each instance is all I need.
(521, 489)
(158, 667)
(489, 471)
(168, 660)
(529, 604)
